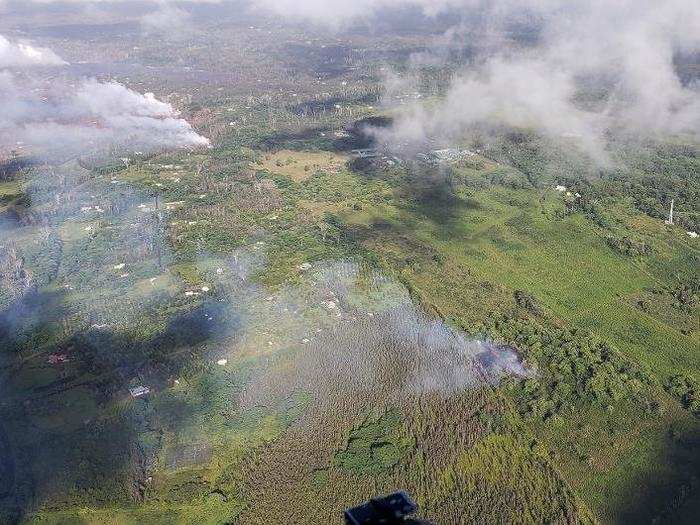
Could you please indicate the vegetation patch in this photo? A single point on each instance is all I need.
(377, 445)
(503, 479)
(687, 390)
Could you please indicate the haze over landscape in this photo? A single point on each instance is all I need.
(264, 260)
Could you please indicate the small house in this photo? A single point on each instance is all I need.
(139, 391)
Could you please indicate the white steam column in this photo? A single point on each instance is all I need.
(670, 215)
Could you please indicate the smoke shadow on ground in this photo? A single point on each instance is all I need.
(26, 315)
(433, 193)
(17, 321)
(82, 431)
(360, 134)
(11, 166)
(86, 32)
(329, 104)
(71, 433)
(357, 135)
(297, 140)
(671, 496)
(426, 190)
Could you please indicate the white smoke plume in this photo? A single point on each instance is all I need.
(629, 44)
(344, 330)
(167, 20)
(91, 115)
(523, 93)
(94, 115)
(23, 54)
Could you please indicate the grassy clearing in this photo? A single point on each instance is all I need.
(9, 190)
(299, 166)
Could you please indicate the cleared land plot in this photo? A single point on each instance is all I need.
(300, 165)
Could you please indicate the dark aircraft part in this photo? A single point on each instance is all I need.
(396, 508)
